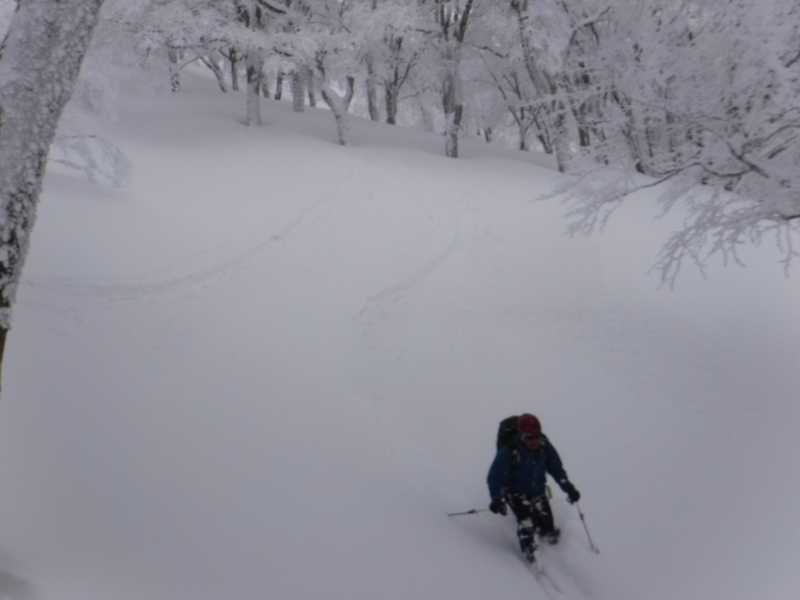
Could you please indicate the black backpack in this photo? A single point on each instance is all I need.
(507, 431)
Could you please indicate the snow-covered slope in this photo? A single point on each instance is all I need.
(271, 367)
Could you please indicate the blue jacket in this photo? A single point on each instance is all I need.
(528, 475)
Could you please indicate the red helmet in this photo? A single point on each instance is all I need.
(529, 424)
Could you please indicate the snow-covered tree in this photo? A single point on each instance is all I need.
(171, 33)
(450, 23)
(709, 93)
(393, 45)
(324, 42)
(40, 59)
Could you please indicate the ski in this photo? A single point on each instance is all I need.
(540, 574)
(544, 582)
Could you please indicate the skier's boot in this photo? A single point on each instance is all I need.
(530, 555)
(551, 537)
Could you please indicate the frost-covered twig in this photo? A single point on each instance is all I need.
(96, 156)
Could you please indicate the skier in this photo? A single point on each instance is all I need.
(517, 477)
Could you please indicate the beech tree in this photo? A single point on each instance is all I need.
(394, 43)
(709, 98)
(330, 47)
(40, 59)
(449, 35)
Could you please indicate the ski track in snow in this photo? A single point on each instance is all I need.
(161, 283)
(171, 282)
(425, 271)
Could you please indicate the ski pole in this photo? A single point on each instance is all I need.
(474, 511)
(594, 548)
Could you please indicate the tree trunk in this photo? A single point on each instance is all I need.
(561, 138)
(523, 125)
(391, 103)
(339, 106)
(253, 63)
(298, 90)
(39, 62)
(312, 98)
(452, 105)
(555, 122)
(265, 86)
(372, 90)
(174, 69)
(212, 64)
(452, 97)
(233, 57)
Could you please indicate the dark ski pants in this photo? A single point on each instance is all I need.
(534, 515)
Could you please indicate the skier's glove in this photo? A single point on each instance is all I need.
(573, 495)
(498, 507)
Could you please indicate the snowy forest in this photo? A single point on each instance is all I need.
(700, 92)
(700, 98)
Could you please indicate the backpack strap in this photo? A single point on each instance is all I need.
(515, 458)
